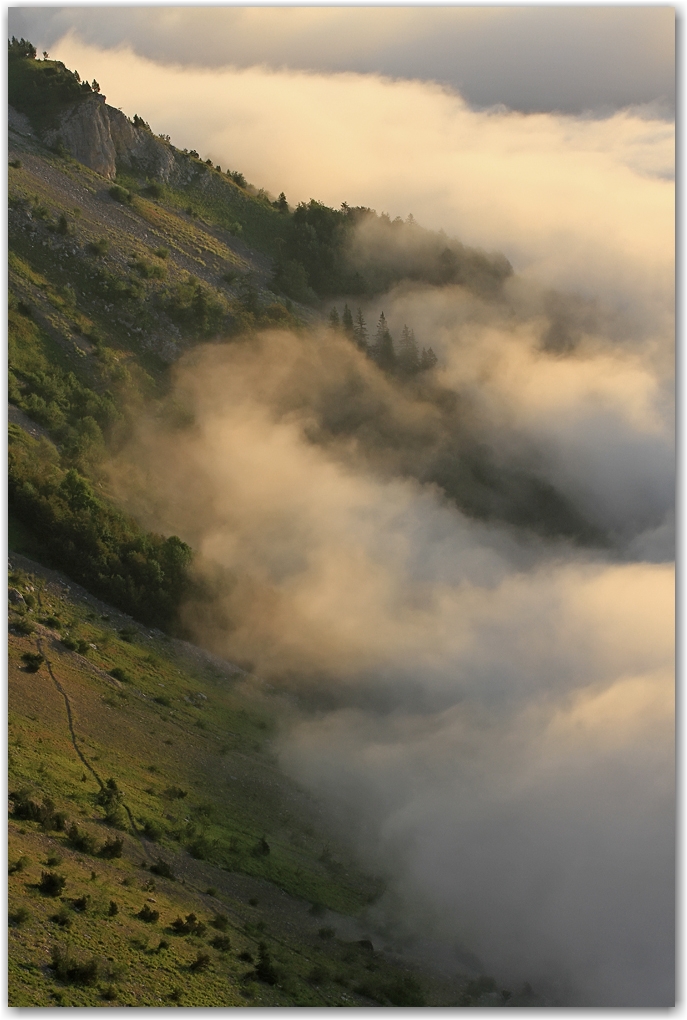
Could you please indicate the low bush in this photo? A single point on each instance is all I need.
(120, 674)
(220, 922)
(201, 962)
(112, 848)
(62, 917)
(190, 926)
(23, 626)
(113, 909)
(222, 943)
(162, 869)
(120, 194)
(100, 247)
(148, 915)
(24, 807)
(18, 865)
(32, 661)
(73, 969)
(51, 883)
(18, 917)
(81, 904)
(84, 842)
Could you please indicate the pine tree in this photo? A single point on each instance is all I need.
(360, 332)
(383, 350)
(334, 319)
(428, 359)
(407, 352)
(347, 321)
(282, 204)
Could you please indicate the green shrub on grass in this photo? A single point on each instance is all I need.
(51, 883)
(74, 969)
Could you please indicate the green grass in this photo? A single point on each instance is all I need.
(234, 797)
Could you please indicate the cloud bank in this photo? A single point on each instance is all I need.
(483, 702)
(570, 58)
(577, 203)
(485, 712)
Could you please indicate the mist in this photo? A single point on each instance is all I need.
(484, 708)
(461, 585)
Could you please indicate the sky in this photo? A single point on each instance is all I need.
(566, 58)
(487, 713)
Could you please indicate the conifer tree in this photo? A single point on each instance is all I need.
(334, 319)
(383, 350)
(408, 359)
(347, 321)
(428, 359)
(360, 332)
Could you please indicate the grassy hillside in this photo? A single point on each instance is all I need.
(125, 742)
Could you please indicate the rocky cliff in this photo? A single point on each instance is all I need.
(104, 138)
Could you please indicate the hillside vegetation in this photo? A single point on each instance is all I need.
(157, 855)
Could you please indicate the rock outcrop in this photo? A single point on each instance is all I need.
(103, 138)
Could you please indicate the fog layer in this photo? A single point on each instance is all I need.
(465, 581)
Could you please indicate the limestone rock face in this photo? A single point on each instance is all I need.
(139, 149)
(101, 137)
(84, 130)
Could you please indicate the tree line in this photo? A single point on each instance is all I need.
(404, 358)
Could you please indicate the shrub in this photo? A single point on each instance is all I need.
(81, 841)
(18, 865)
(53, 860)
(27, 809)
(265, 970)
(152, 830)
(112, 848)
(120, 194)
(148, 915)
(404, 991)
(191, 926)
(128, 634)
(72, 969)
(246, 957)
(155, 190)
(113, 909)
(81, 904)
(32, 661)
(222, 943)
(326, 933)
(175, 793)
(62, 917)
(148, 270)
(19, 916)
(100, 247)
(24, 627)
(51, 883)
(162, 869)
(120, 674)
(50, 621)
(261, 848)
(161, 253)
(220, 922)
(163, 700)
(201, 962)
(16, 163)
(200, 848)
(164, 944)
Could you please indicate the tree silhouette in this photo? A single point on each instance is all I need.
(360, 332)
(408, 358)
(383, 350)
